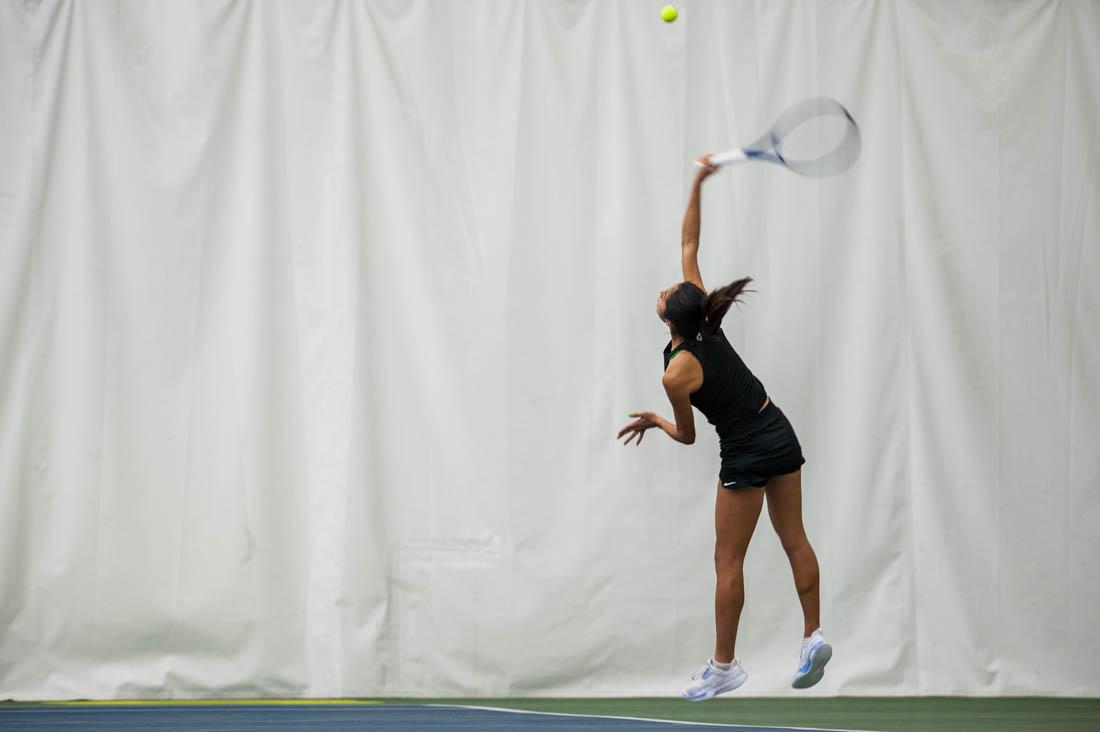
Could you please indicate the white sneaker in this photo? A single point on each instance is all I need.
(710, 681)
(811, 662)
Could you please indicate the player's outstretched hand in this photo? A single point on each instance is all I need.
(637, 428)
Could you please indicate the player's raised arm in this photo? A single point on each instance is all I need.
(692, 220)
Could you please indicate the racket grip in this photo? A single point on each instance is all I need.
(725, 158)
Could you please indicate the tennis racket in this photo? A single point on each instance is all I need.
(815, 138)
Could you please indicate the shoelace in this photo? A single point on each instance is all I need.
(701, 673)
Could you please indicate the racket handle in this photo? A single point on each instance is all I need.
(725, 158)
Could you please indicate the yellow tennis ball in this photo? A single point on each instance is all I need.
(668, 13)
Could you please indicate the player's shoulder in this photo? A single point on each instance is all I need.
(682, 368)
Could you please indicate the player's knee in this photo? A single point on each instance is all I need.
(793, 546)
(728, 563)
(794, 543)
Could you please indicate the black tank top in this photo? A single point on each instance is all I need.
(730, 394)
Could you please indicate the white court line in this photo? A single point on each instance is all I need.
(645, 719)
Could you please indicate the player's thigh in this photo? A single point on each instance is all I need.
(736, 512)
(784, 495)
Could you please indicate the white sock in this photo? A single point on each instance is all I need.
(720, 666)
(808, 640)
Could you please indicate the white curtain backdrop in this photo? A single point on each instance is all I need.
(317, 322)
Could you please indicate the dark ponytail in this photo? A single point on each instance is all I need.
(718, 302)
(695, 314)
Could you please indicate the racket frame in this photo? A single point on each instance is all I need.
(767, 147)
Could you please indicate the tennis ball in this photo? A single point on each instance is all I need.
(668, 13)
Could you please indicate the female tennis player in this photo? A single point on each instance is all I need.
(761, 458)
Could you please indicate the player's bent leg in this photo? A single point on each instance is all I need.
(784, 495)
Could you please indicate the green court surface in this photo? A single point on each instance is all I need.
(880, 714)
(877, 714)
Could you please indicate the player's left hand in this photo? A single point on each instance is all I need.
(637, 428)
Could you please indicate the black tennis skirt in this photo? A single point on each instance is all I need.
(764, 447)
